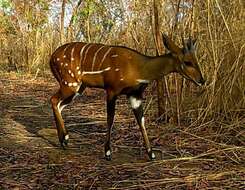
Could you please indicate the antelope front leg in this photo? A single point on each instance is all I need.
(62, 133)
(136, 104)
(111, 102)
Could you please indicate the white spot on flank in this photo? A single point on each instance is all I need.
(79, 72)
(64, 56)
(72, 59)
(74, 84)
(135, 103)
(66, 64)
(69, 71)
(78, 68)
(70, 84)
(117, 69)
(65, 82)
(61, 63)
(72, 75)
(58, 59)
(67, 137)
(114, 55)
(143, 81)
(121, 79)
(108, 153)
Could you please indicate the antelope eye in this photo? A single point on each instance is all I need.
(188, 63)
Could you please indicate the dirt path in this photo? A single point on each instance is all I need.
(31, 158)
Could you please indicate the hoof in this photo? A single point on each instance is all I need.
(108, 155)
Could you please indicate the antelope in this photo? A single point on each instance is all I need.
(119, 71)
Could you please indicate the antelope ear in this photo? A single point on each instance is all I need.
(170, 45)
(191, 44)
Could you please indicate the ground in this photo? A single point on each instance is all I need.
(31, 157)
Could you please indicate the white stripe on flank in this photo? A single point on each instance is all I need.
(108, 51)
(95, 55)
(86, 52)
(81, 53)
(96, 72)
(72, 52)
(143, 81)
(65, 50)
(114, 55)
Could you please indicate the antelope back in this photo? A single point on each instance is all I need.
(94, 65)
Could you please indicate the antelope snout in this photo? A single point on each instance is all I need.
(201, 81)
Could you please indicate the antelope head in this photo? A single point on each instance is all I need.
(187, 64)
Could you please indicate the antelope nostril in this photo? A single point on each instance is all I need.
(202, 81)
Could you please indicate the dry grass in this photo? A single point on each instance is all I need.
(206, 156)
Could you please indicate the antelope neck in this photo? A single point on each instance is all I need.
(156, 67)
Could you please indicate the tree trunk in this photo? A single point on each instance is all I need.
(62, 20)
(157, 39)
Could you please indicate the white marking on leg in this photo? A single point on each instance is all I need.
(143, 121)
(95, 55)
(107, 52)
(60, 108)
(153, 156)
(135, 103)
(67, 137)
(108, 153)
(77, 94)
